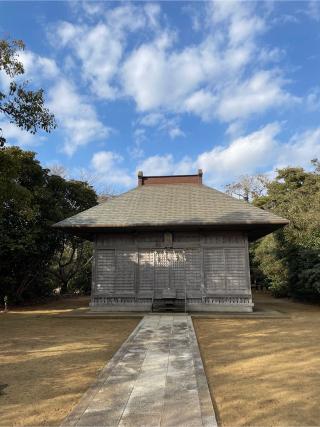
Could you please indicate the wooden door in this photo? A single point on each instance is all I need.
(170, 273)
(177, 272)
(146, 273)
(161, 273)
(194, 273)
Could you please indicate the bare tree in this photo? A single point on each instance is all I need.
(60, 170)
(248, 187)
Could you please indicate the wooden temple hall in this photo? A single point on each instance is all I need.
(172, 243)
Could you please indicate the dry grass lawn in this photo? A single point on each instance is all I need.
(264, 372)
(261, 372)
(47, 363)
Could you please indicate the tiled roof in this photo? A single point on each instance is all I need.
(170, 205)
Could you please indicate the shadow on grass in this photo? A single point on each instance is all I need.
(48, 363)
(2, 388)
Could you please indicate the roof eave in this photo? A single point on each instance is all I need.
(254, 230)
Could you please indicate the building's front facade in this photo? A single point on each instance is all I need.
(172, 243)
(203, 270)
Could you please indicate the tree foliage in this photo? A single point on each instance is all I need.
(31, 201)
(289, 259)
(20, 105)
(71, 265)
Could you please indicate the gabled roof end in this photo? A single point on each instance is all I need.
(195, 179)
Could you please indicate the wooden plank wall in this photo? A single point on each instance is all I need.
(207, 264)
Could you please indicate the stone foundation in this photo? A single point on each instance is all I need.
(207, 304)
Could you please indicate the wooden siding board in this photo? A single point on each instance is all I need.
(202, 265)
(93, 270)
(214, 270)
(105, 271)
(247, 265)
(125, 269)
(225, 270)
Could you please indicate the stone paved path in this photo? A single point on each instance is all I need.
(155, 379)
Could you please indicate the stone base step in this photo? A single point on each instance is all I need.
(168, 305)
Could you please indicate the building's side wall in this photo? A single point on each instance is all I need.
(210, 270)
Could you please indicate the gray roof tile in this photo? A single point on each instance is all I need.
(171, 204)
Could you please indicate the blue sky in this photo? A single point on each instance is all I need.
(170, 87)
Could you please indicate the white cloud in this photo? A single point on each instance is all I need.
(76, 117)
(300, 150)
(261, 150)
(152, 11)
(313, 10)
(201, 103)
(243, 24)
(172, 127)
(136, 152)
(4, 81)
(38, 67)
(235, 129)
(162, 123)
(268, 55)
(100, 47)
(99, 52)
(16, 136)
(65, 33)
(139, 135)
(92, 8)
(250, 154)
(313, 99)
(152, 119)
(175, 132)
(165, 165)
(106, 165)
(157, 165)
(207, 79)
(104, 160)
(128, 17)
(255, 95)
(244, 28)
(156, 78)
(243, 155)
(164, 78)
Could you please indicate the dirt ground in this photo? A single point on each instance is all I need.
(47, 363)
(264, 372)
